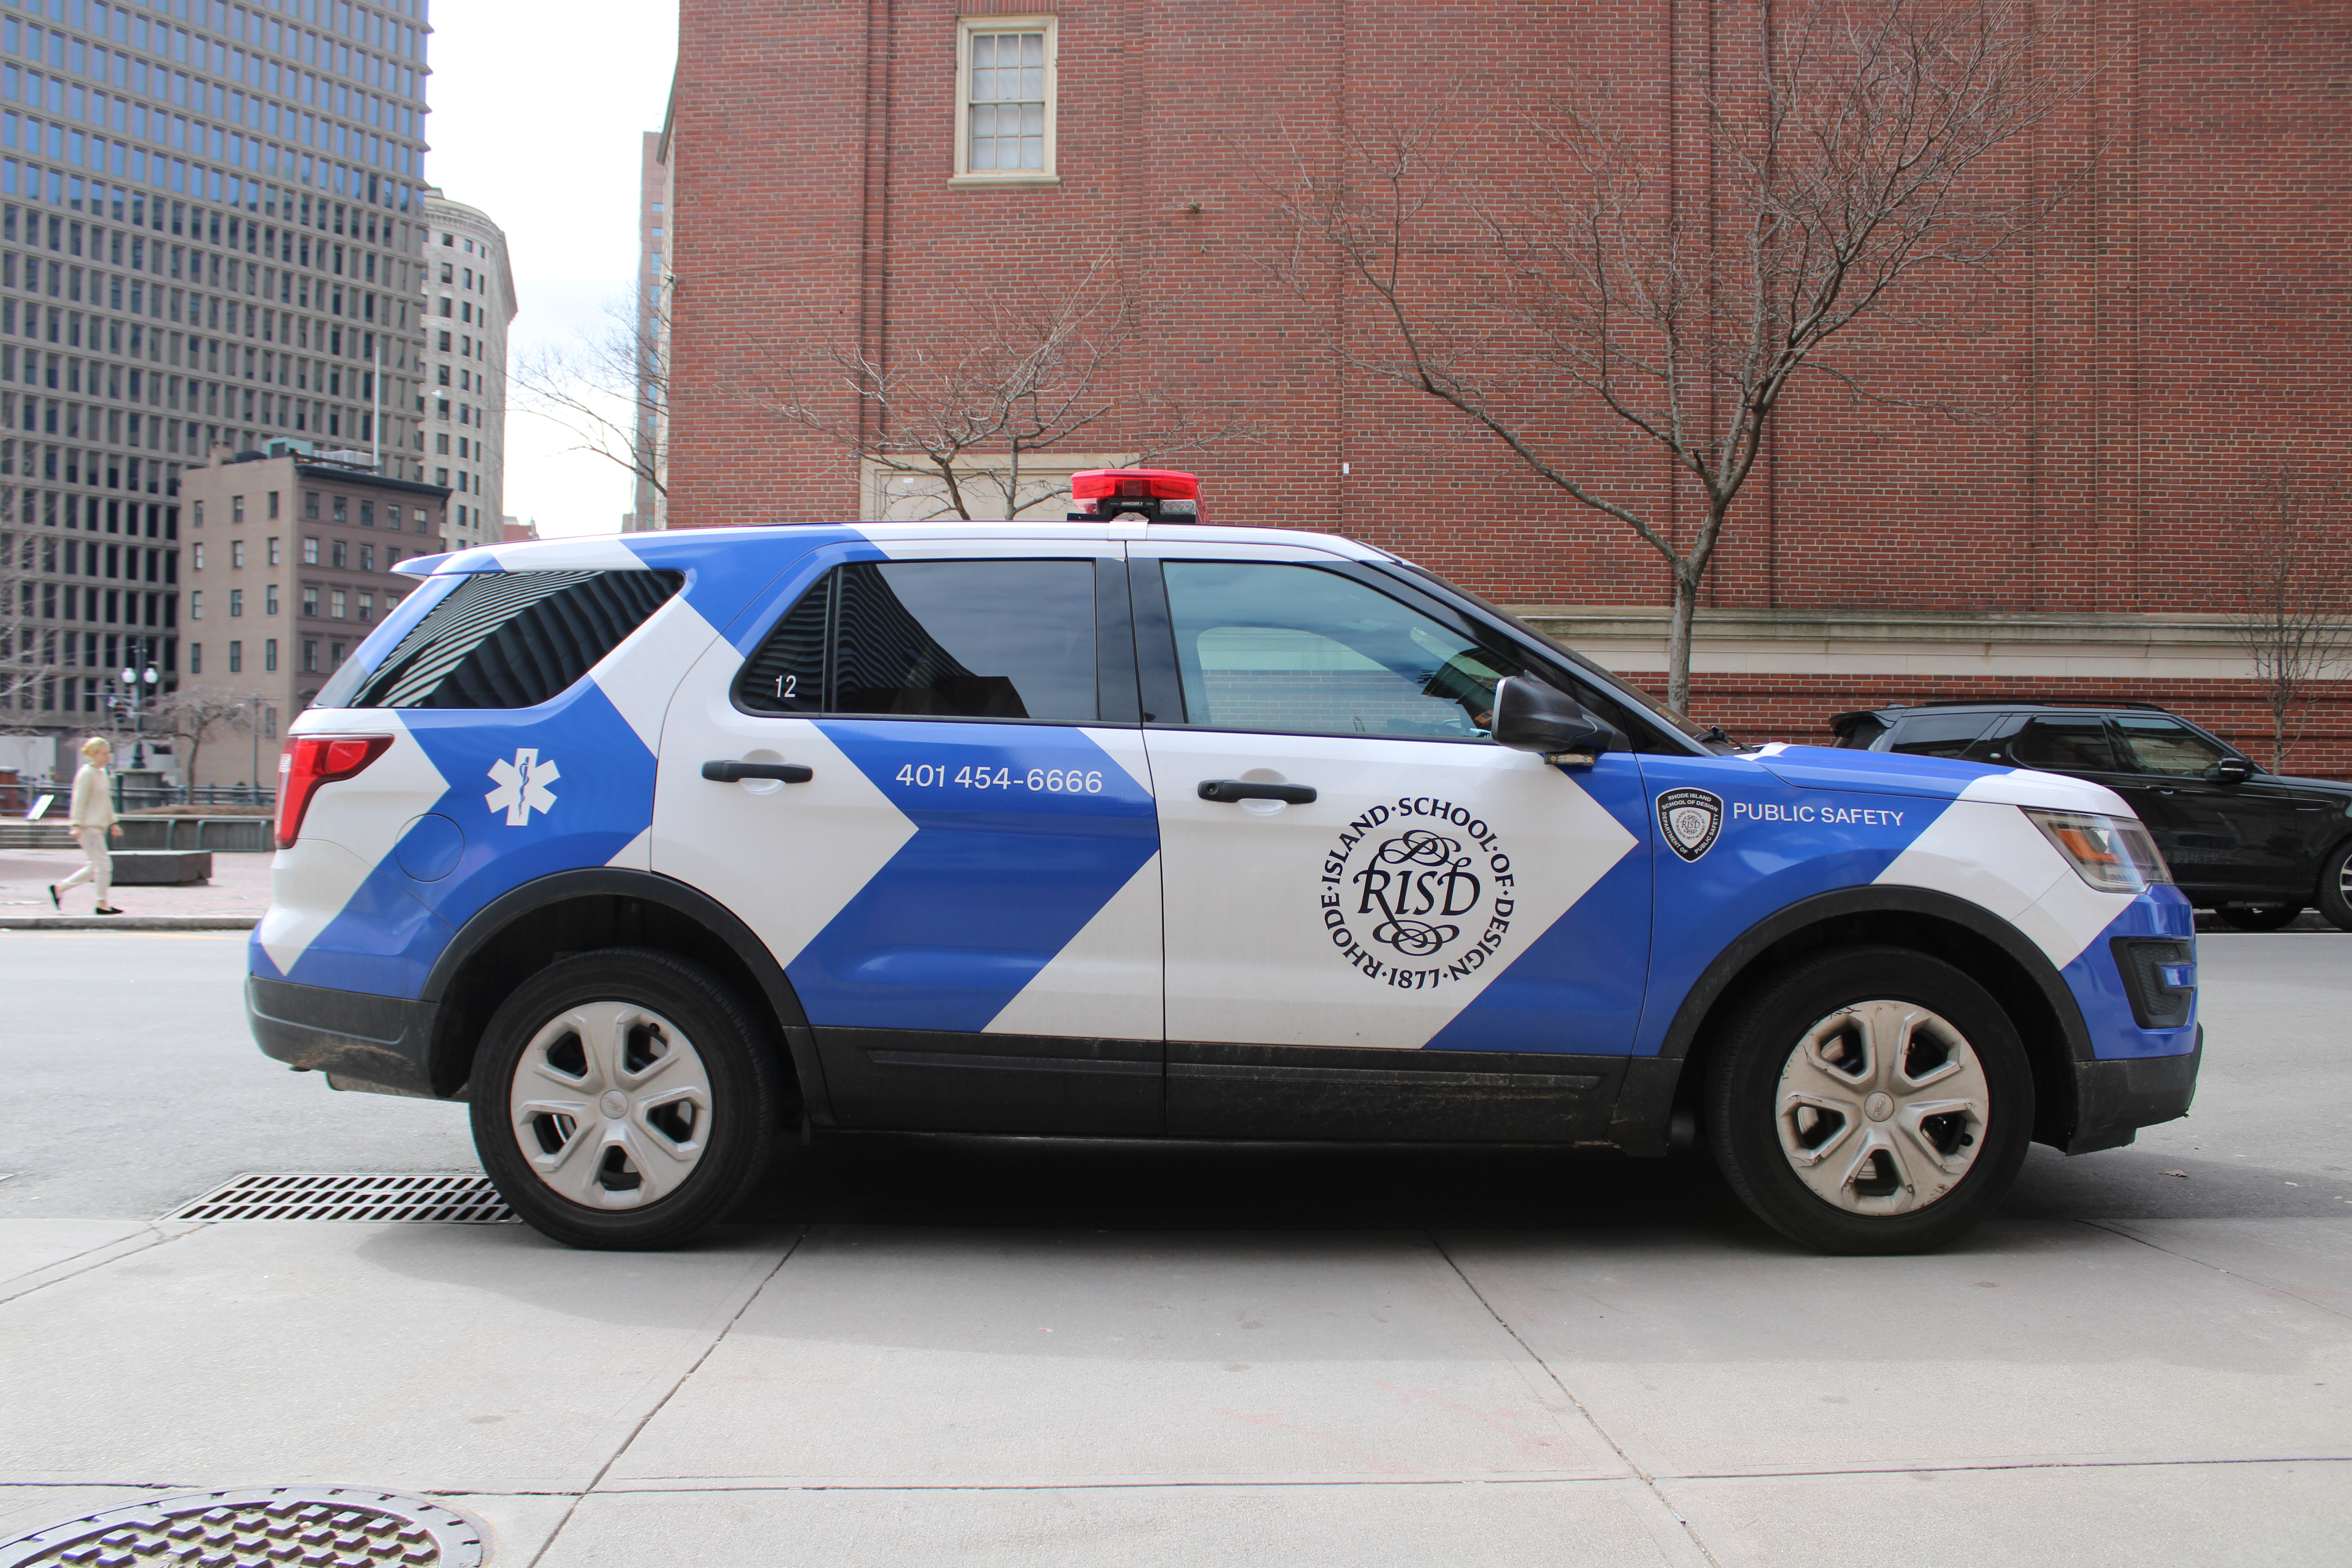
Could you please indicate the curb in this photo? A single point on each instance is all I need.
(129, 923)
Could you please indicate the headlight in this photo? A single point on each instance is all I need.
(2113, 854)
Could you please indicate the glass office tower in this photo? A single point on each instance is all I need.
(210, 239)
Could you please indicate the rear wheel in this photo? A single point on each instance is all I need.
(622, 1099)
(1871, 1100)
(2336, 886)
(2257, 917)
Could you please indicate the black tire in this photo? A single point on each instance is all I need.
(2336, 886)
(728, 1130)
(2257, 917)
(1744, 1087)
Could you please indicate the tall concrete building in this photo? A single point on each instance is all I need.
(469, 299)
(210, 233)
(649, 413)
(287, 565)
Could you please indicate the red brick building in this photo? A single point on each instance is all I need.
(848, 172)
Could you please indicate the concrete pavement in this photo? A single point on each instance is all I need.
(920, 1349)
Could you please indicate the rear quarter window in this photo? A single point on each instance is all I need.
(506, 639)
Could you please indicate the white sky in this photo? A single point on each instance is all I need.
(537, 107)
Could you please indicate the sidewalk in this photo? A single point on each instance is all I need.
(235, 900)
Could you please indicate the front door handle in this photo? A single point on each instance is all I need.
(1242, 789)
(734, 772)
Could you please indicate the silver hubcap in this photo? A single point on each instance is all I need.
(1882, 1108)
(611, 1105)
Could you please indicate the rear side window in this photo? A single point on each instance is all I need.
(1935, 734)
(946, 639)
(506, 639)
(2060, 743)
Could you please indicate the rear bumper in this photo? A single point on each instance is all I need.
(359, 1039)
(2115, 1098)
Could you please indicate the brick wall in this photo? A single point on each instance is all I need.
(2179, 330)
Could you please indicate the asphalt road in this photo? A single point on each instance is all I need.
(912, 1348)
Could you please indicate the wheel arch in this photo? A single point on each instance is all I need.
(1990, 950)
(524, 929)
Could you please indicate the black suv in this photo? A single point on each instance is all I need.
(2256, 848)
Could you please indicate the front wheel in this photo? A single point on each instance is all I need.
(1871, 1100)
(622, 1099)
(2336, 886)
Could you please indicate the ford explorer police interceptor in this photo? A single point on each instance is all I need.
(649, 848)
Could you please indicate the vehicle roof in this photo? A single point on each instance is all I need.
(1893, 710)
(688, 546)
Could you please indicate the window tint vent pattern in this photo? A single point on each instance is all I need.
(514, 639)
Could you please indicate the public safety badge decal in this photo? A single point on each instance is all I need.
(1691, 820)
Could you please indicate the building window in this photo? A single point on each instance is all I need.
(200, 514)
(196, 605)
(269, 717)
(367, 557)
(342, 509)
(367, 514)
(196, 658)
(198, 556)
(273, 549)
(310, 657)
(309, 552)
(340, 601)
(236, 509)
(269, 600)
(236, 603)
(236, 553)
(367, 606)
(391, 556)
(311, 503)
(269, 655)
(235, 659)
(335, 655)
(309, 601)
(273, 503)
(1004, 69)
(342, 554)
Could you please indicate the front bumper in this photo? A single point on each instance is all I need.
(359, 1040)
(2115, 1098)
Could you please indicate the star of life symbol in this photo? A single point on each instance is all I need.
(523, 785)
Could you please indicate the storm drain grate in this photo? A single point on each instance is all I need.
(353, 1194)
(259, 1527)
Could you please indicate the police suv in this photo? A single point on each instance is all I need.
(1128, 826)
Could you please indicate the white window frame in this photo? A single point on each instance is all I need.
(966, 27)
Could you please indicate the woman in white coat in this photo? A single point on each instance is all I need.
(92, 822)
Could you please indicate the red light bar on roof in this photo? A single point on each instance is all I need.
(1165, 494)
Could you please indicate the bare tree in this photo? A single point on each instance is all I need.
(967, 405)
(199, 713)
(608, 390)
(2297, 624)
(1852, 164)
(20, 671)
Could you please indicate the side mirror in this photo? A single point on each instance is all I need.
(2233, 771)
(1530, 716)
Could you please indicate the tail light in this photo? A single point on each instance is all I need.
(310, 761)
(1167, 494)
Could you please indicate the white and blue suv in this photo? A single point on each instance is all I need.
(651, 847)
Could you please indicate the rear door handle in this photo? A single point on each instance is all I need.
(1230, 790)
(734, 772)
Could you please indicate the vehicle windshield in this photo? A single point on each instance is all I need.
(1632, 696)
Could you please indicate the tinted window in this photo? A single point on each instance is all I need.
(967, 640)
(1302, 650)
(2168, 746)
(506, 639)
(1935, 735)
(2061, 742)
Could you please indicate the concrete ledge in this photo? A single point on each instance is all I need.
(129, 923)
(162, 868)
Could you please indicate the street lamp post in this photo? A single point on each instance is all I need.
(139, 681)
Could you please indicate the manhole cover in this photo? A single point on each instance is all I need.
(258, 1527)
(352, 1195)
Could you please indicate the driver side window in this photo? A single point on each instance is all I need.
(1301, 650)
(2168, 747)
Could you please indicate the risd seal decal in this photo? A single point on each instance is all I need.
(1418, 893)
(1691, 819)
